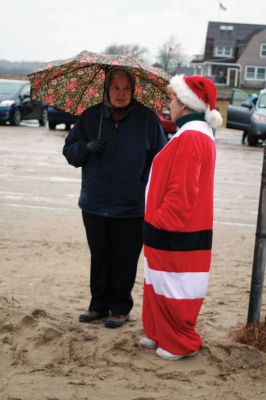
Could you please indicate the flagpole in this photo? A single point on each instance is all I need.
(220, 7)
(218, 11)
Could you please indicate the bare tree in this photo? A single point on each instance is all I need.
(170, 55)
(127, 49)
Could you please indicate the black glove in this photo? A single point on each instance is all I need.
(96, 146)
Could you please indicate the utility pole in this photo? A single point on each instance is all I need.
(259, 260)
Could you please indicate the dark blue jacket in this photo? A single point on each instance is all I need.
(113, 182)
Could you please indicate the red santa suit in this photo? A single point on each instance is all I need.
(178, 236)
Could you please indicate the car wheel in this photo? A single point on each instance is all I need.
(44, 119)
(51, 125)
(252, 140)
(16, 117)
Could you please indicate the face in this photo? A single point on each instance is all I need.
(120, 91)
(175, 106)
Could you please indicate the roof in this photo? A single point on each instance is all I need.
(239, 32)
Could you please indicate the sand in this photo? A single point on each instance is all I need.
(45, 353)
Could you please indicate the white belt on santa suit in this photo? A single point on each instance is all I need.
(177, 285)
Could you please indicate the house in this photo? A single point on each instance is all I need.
(235, 55)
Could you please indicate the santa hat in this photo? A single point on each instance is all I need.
(199, 94)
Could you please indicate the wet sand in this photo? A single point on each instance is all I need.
(45, 353)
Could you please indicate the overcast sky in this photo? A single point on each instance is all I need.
(35, 30)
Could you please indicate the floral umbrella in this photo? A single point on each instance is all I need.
(76, 83)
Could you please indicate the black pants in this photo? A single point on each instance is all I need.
(245, 134)
(115, 245)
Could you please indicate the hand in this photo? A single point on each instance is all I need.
(96, 146)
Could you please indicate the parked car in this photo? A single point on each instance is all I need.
(16, 103)
(248, 113)
(57, 117)
(169, 126)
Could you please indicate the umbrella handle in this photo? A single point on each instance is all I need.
(100, 125)
(101, 116)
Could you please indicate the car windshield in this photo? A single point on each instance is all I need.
(10, 88)
(262, 101)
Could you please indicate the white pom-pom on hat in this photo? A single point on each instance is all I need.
(213, 117)
(199, 94)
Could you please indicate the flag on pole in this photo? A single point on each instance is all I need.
(222, 7)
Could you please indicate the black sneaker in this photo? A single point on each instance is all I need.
(116, 320)
(90, 316)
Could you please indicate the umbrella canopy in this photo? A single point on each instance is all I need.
(77, 83)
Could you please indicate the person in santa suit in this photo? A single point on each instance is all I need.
(179, 222)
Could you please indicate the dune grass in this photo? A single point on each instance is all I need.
(252, 335)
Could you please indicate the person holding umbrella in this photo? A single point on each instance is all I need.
(179, 222)
(114, 142)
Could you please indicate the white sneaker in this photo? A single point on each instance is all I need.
(173, 357)
(147, 343)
